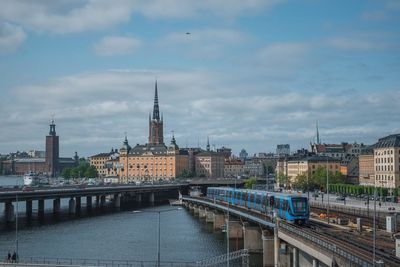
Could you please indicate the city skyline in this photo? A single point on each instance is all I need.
(251, 76)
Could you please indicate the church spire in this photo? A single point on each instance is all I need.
(156, 111)
(208, 143)
(318, 141)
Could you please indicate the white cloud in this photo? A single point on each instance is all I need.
(282, 58)
(65, 16)
(346, 43)
(11, 37)
(116, 45)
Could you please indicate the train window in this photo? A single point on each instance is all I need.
(285, 205)
(251, 197)
(299, 204)
(258, 199)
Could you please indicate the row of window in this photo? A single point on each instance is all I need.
(385, 160)
(385, 152)
(385, 177)
(385, 168)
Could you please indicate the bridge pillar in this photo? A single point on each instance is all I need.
(191, 207)
(209, 216)
(71, 206)
(235, 229)
(117, 200)
(202, 212)
(139, 198)
(102, 201)
(97, 201)
(276, 244)
(41, 207)
(219, 220)
(28, 208)
(89, 203)
(252, 238)
(151, 198)
(295, 252)
(268, 248)
(315, 263)
(78, 204)
(196, 209)
(56, 206)
(9, 211)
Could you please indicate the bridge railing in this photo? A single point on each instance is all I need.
(43, 261)
(236, 258)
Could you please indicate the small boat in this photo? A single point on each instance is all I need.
(31, 178)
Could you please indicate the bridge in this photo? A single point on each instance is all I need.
(118, 193)
(283, 244)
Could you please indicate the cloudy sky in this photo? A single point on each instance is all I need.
(251, 74)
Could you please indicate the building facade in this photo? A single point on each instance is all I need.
(308, 166)
(233, 168)
(387, 161)
(106, 164)
(210, 164)
(283, 150)
(366, 169)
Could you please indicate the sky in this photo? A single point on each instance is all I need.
(247, 73)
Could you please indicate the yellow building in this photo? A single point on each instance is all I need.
(308, 166)
(106, 164)
(366, 169)
(233, 168)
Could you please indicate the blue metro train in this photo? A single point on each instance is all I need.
(291, 208)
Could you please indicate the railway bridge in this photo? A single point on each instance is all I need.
(281, 244)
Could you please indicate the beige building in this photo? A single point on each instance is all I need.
(106, 164)
(366, 169)
(387, 161)
(210, 164)
(233, 168)
(310, 165)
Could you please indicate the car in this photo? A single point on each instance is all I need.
(340, 198)
(27, 189)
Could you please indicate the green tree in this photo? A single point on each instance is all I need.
(250, 182)
(66, 173)
(91, 172)
(282, 179)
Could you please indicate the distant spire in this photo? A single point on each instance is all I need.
(208, 143)
(318, 141)
(156, 111)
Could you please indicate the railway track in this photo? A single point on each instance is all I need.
(360, 242)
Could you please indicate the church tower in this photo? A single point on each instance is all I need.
(156, 136)
(52, 151)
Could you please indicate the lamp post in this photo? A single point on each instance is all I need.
(327, 188)
(16, 221)
(227, 231)
(159, 228)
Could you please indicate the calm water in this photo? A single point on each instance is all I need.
(114, 235)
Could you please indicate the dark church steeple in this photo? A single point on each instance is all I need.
(156, 109)
(156, 136)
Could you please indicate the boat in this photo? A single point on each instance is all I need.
(31, 178)
(195, 191)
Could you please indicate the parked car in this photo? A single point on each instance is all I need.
(341, 198)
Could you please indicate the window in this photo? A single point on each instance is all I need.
(299, 205)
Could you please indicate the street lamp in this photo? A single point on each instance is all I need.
(227, 231)
(16, 220)
(159, 227)
(327, 188)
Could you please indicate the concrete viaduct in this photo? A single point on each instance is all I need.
(280, 243)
